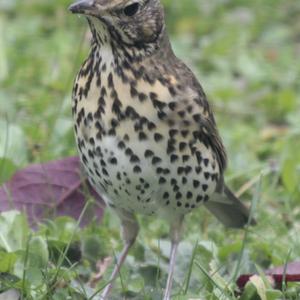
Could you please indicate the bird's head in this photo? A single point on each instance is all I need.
(132, 22)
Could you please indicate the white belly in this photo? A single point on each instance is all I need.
(129, 179)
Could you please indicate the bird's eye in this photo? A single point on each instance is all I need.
(131, 9)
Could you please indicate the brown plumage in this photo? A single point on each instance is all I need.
(145, 131)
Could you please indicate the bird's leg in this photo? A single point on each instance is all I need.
(175, 235)
(129, 231)
(116, 271)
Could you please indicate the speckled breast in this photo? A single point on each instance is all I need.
(137, 142)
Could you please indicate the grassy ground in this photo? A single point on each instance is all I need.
(246, 54)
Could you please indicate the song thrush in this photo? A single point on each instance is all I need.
(145, 131)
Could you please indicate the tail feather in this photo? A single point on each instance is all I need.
(229, 209)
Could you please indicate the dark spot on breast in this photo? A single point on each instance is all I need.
(137, 169)
(151, 126)
(182, 146)
(116, 106)
(110, 80)
(159, 170)
(104, 171)
(162, 180)
(185, 133)
(173, 181)
(142, 97)
(134, 159)
(198, 169)
(161, 115)
(90, 154)
(113, 161)
(170, 148)
(197, 118)
(158, 137)
(112, 132)
(176, 188)
(131, 113)
(142, 136)
(103, 91)
(199, 157)
(206, 175)
(148, 153)
(199, 198)
(190, 108)
(180, 170)
(166, 195)
(103, 67)
(156, 160)
(166, 171)
(128, 152)
(181, 114)
(185, 158)
(188, 170)
(173, 132)
(133, 91)
(206, 162)
(172, 105)
(98, 152)
(121, 145)
(196, 183)
(92, 141)
(114, 123)
(173, 158)
(186, 123)
(189, 195)
(172, 91)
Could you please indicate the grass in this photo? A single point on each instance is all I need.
(246, 55)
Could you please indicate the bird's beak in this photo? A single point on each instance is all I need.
(85, 7)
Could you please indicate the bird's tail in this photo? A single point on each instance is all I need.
(229, 209)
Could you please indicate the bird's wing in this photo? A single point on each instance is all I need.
(209, 134)
(223, 203)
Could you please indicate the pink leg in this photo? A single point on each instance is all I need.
(116, 271)
(175, 234)
(168, 290)
(129, 230)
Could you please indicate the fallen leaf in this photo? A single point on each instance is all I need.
(288, 273)
(51, 189)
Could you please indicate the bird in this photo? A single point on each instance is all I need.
(145, 131)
